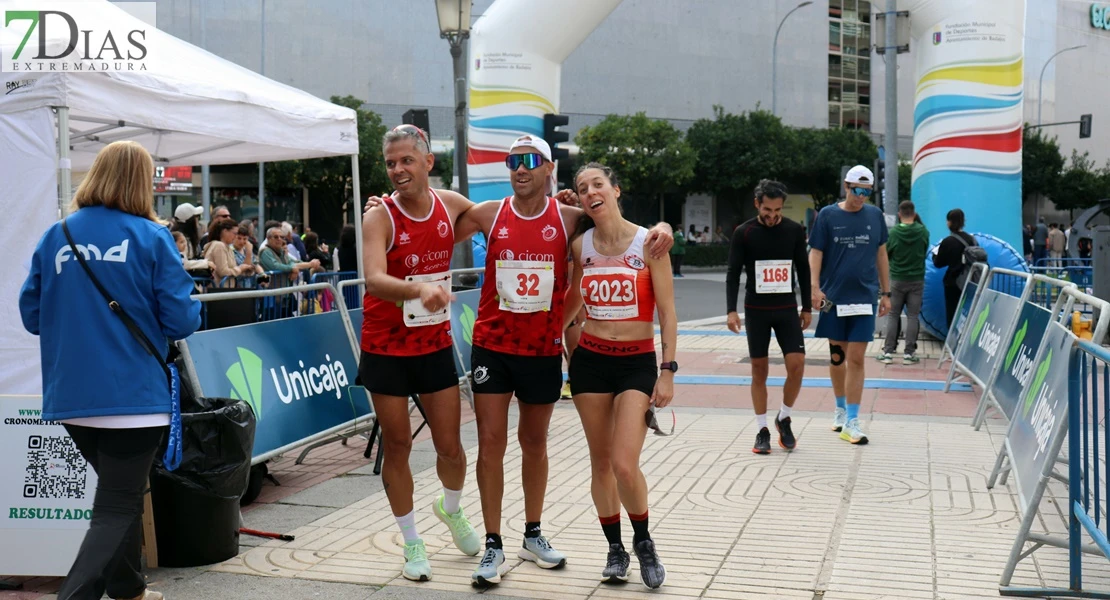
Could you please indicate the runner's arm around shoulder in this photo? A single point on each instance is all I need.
(735, 268)
(662, 283)
(377, 232)
(476, 219)
(573, 301)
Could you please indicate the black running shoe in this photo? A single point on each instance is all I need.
(786, 436)
(762, 442)
(616, 565)
(651, 570)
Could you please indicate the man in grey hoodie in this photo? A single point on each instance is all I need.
(907, 247)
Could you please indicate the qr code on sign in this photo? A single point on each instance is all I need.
(55, 468)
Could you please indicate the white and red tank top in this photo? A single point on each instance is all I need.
(419, 251)
(521, 308)
(617, 288)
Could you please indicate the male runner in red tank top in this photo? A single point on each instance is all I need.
(518, 339)
(406, 338)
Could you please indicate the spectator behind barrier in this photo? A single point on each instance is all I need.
(222, 234)
(347, 253)
(97, 379)
(186, 219)
(317, 250)
(274, 258)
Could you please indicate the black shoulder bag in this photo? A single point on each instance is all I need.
(173, 449)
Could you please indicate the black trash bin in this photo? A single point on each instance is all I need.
(196, 507)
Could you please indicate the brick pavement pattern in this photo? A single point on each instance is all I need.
(908, 516)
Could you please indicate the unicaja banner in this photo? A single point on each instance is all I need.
(990, 323)
(967, 120)
(296, 374)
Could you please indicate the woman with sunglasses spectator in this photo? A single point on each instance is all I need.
(613, 371)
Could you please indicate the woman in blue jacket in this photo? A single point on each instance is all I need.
(97, 380)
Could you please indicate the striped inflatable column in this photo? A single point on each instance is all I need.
(517, 51)
(967, 119)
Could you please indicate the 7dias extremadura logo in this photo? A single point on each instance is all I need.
(75, 38)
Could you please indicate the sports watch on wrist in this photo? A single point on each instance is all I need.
(671, 366)
(884, 294)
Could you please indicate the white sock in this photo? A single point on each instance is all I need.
(761, 421)
(784, 412)
(407, 524)
(451, 500)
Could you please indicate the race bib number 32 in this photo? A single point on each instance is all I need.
(774, 276)
(610, 293)
(525, 286)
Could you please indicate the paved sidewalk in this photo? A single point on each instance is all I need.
(907, 516)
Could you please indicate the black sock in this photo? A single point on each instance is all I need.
(639, 527)
(493, 540)
(612, 528)
(532, 529)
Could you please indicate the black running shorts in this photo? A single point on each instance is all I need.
(533, 379)
(406, 375)
(595, 373)
(786, 324)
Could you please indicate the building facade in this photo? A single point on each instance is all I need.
(673, 60)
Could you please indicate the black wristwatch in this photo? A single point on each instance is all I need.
(671, 366)
(886, 294)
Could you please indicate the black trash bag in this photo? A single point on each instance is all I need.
(196, 506)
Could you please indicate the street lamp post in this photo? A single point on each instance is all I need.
(454, 26)
(1040, 81)
(775, 52)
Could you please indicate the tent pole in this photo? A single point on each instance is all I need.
(358, 214)
(65, 184)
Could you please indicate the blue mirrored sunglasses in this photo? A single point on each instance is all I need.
(530, 160)
(862, 192)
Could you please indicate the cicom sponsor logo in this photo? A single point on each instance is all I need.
(434, 259)
(507, 254)
(412, 260)
(42, 36)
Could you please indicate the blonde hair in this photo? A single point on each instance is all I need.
(121, 177)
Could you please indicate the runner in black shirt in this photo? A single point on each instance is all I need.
(771, 250)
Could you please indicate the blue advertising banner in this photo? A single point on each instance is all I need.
(1041, 412)
(982, 349)
(296, 374)
(961, 315)
(1017, 365)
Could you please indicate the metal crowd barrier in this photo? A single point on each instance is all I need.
(277, 296)
(1088, 477)
(969, 296)
(1034, 442)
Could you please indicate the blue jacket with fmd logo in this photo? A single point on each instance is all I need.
(91, 364)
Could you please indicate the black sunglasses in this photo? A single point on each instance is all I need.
(653, 422)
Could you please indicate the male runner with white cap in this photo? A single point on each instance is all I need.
(850, 274)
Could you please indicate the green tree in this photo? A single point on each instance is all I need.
(1041, 164)
(329, 179)
(1081, 185)
(736, 151)
(905, 178)
(649, 156)
(819, 154)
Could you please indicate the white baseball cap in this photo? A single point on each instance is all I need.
(186, 211)
(860, 174)
(538, 144)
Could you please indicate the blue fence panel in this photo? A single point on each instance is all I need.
(1088, 438)
(351, 296)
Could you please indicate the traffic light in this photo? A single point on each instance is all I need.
(1084, 126)
(553, 136)
(418, 117)
(880, 182)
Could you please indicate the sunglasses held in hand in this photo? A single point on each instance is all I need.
(653, 422)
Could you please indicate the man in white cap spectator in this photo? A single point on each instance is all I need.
(850, 275)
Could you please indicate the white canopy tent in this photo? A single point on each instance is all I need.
(189, 107)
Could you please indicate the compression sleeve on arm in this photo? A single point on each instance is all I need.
(735, 268)
(801, 265)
